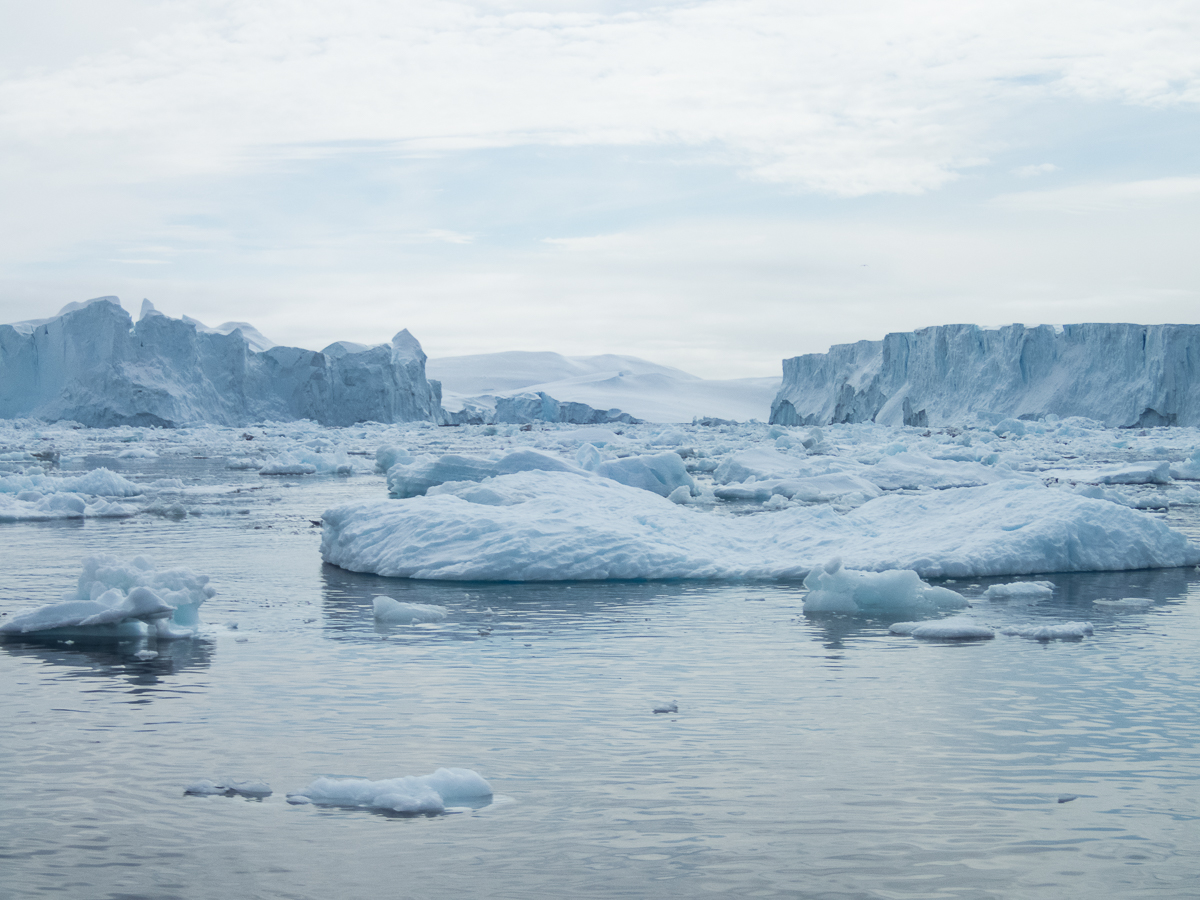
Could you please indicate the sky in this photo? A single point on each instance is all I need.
(712, 185)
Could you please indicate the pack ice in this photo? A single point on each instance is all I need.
(1121, 375)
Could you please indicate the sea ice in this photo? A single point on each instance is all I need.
(115, 598)
(396, 612)
(411, 795)
(954, 628)
(228, 787)
(1061, 631)
(1020, 590)
(551, 526)
(833, 588)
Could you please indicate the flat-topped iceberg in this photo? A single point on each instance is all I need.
(120, 599)
(1119, 374)
(557, 526)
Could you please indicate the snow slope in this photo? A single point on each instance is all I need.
(1121, 375)
(641, 388)
(91, 364)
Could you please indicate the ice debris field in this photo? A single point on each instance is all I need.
(863, 515)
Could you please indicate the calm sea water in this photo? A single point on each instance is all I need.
(811, 756)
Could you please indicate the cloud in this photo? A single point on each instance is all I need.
(846, 99)
(1104, 197)
(1033, 171)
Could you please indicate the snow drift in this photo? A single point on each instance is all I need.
(1122, 375)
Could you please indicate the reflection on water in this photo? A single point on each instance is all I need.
(812, 756)
(106, 659)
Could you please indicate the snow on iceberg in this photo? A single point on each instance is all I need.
(115, 598)
(834, 588)
(410, 795)
(557, 526)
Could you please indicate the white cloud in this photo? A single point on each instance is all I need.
(1032, 171)
(852, 98)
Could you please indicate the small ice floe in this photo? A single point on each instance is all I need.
(410, 795)
(396, 612)
(146, 654)
(1062, 631)
(1020, 590)
(672, 707)
(952, 629)
(228, 787)
(832, 588)
(1125, 603)
(1067, 798)
(244, 462)
(120, 599)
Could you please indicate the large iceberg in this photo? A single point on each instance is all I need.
(1122, 375)
(93, 365)
(562, 526)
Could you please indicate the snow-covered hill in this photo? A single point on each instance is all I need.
(641, 388)
(1121, 375)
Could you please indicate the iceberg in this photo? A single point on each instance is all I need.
(1119, 374)
(561, 526)
(93, 365)
(120, 599)
(410, 795)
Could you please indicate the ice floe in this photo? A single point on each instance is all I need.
(1057, 631)
(410, 795)
(954, 628)
(550, 526)
(1020, 590)
(118, 598)
(397, 612)
(834, 588)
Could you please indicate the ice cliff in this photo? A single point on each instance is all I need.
(1121, 375)
(93, 365)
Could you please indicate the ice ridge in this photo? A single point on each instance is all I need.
(1119, 374)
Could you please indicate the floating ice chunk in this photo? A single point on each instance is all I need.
(416, 478)
(660, 474)
(588, 457)
(558, 526)
(386, 457)
(396, 612)
(833, 588)
(228, 787)
(1012, 427)
(1136, 473)
(244, 462)
(35, 506)
(1125, 603)
(951, 629)
(287, 464)
(137, 453)
(1063, 631)
(1189, 469)
(411, 795)
(672, 707)
(1020, 590)
(682, 495)
(115, 598)
(97, 483)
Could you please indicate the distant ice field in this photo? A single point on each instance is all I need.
(812, 754)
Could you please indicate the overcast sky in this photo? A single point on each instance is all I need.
(713, 185)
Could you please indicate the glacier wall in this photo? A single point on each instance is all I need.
(91, 364)
(1121, 375)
